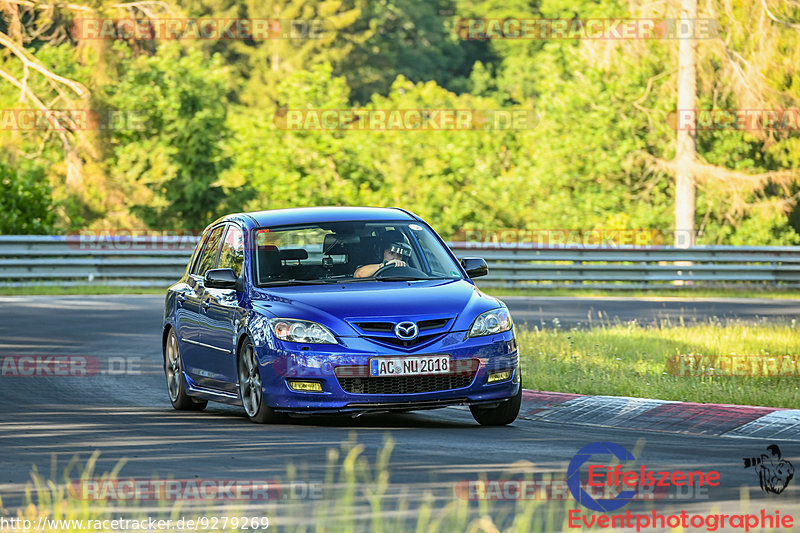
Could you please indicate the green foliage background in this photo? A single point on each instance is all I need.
(209, 144)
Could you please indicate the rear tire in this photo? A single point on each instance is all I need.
(251, 392)
(176, 384)
(502, 415)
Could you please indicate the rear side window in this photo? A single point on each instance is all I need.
(232, 253)
(208, 256)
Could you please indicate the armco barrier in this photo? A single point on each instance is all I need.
(625, 267)
(131, 261)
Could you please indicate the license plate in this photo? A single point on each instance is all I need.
(409, 366)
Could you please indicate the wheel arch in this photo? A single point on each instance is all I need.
(243, 336)
(164, 336)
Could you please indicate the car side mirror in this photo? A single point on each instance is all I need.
(221, 278)
(475, 266)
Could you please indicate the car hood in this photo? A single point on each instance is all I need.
(338, 306)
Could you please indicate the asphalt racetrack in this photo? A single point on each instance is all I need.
(580, 312)
(127, 414)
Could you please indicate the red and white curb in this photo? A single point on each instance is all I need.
(661, 415)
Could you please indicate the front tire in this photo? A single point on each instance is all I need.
(502, 415)
(250, 389)
(176, 385)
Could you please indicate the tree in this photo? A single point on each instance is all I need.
(685, 153)
(415, 39)
(170, 163)
(24, 199)
(307, 33)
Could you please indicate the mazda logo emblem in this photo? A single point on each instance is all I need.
(406, 331)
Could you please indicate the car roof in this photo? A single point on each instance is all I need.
(310, 215)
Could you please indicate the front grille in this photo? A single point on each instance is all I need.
(403, 384)
(387, 327)
(350, 381)
(432, 324)
(394, 341)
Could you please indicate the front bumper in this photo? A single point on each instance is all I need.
(472, 360)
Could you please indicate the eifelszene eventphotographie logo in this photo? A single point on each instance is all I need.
(627, 479)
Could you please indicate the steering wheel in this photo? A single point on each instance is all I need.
(403, 271)
(384, 268)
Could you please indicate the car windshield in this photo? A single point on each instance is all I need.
(349, 252)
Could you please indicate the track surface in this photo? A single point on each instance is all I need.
(604, 310)
(129, 416)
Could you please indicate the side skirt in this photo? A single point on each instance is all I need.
(212, 395)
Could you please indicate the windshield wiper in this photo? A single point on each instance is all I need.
(288, 282)
(332, 281)
(404, 278)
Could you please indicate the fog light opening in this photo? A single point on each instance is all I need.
(305, 386)
(499, 376)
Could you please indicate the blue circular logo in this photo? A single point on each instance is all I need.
(574, 477)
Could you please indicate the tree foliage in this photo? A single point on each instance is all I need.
(168, 154)
(601, 154)
(24, 199)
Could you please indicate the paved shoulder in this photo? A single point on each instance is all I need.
(585, 311)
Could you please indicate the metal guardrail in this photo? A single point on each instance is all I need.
(68, 260)
(27, 260)
(629, 267)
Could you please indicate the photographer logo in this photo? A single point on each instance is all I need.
(774, 472)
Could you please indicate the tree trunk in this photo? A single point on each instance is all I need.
(687, 103)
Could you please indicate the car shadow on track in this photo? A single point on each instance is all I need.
(456, 418)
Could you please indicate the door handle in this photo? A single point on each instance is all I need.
(206, 304)
(181, 299)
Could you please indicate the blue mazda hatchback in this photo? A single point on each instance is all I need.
(336, 310)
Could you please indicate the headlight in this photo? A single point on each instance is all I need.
(287, 329)
(491, 322)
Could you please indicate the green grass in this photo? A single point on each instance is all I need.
(746, 292)
(59, 290)
(631, 360)
(357, 497)
(653, 293)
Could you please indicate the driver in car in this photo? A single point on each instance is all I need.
(395, 254)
